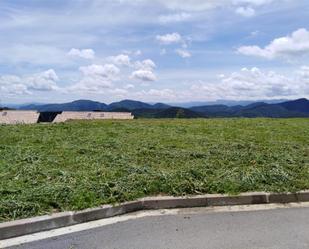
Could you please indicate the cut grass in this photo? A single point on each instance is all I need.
(77, 165)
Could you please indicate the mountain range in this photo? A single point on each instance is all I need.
(292, 108)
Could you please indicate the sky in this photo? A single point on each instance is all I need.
(153, 50)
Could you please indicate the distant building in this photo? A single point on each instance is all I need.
(32, 117)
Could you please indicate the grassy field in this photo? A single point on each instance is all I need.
(76, 165)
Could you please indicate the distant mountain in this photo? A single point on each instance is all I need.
(178, 112)
(145, 112)
(89, 105)
(253, 105)
(161, 106)
(78, 105)
(299, 105)
(172, 112)
(293, 108)
(225, 102)
(215, 110)
(5, 108)
(268, 110)
(120, 109)
(129, 104)
(17, 106)
(30, 107)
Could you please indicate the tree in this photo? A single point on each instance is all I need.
(180, 113)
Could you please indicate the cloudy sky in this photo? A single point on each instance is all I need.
(153, 50)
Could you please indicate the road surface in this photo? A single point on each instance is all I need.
(274, 228)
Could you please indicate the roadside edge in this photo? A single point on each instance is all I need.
(57, 220)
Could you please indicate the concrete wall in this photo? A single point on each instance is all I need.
(65, 116)
(31, 117)
(18, 117)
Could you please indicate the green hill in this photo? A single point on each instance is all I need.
(178, 112)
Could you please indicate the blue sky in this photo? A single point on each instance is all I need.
(153, 50)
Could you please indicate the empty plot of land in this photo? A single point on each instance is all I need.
(76, 165)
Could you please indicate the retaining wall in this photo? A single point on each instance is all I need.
(65, 116)
(18, 117)
(32, 117)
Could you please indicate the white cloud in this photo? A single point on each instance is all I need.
(178, 17)
(45, 81)
(204, 5)
(191, 5)
(132, 52)
(121, 60)
(15, 85)
(169, 38)
(146, 95)
(254, 2)
(102, 79)
(82, 53)
(301, 80)
(252, 84)
(137, 52)
(143, 75)
(118, 92)
(32, 54)
(36, 48)
(162, 93)
(183, 53)
(254, 33)
(129, 86)
(96, 78)
(148, 64)
(145, 64)
(94, 84)
(144, 70)
(245, 11)
(105, 71)
(304, 72)
(291, 46)
(156, 95)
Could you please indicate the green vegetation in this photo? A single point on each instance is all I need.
(76, 165)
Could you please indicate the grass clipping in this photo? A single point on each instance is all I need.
(77, 165)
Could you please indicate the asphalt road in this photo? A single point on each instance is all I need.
(275, 229)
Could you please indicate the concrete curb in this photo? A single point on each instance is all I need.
(57, 220)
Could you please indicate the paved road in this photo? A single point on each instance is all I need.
(275, 229)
